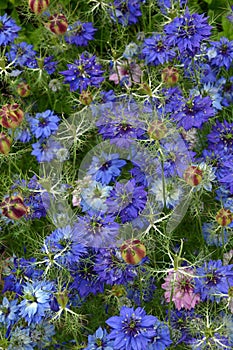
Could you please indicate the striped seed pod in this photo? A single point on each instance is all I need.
(11, 116)
(38, 6)
(5, 143)
(133, 251)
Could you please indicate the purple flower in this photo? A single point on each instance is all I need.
(225, 174)
(120, 123)
(133, 329)
(80, 33)
(97, 230)
(22, 53)
(188, 32)
(106, 167)
(194, 112)
(221, 138)
(36, 296)
(221, 53)
(112, 269)
(86, 280)
(156, 50)
(83, 73)
(167, 5)
(127, 199)
(8, 30)
(214, 280)
(44, 124)
(126, 12)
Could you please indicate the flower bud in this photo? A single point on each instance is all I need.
(193, 175)
(170, 75)
(62, 299)
(23, 89)
(146, 89)
(85, 98)
(224, 217)
(133, 251)
(13, 207)
(11, 116)
(58, 24)
(5, 143)
(38, 6)
(157, 130)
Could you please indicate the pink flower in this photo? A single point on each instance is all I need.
(127, 73)
(179, 289)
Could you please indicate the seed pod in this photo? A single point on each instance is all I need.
(193, 175)
(5, 143)
(170, 75)
(157, 130)
(38, 6)
(11, 116)
(13, 207)
(85, 98)
(133, 251)
(23, 89)
(58, 24)
(224, 217)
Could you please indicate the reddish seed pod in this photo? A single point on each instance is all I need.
(23, 89)
(157, 130)
(58, 24)
(38, 6)
(224, 217)
(11, 116)
(13, 207)
(170, 75)
(133, 251)
(5, 143)
(193, 175)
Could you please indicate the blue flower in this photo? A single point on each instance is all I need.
(8, 30)
(126, 12)
(94, 197)
(156, 50)
(36, 301)
(106, 167)
(127, 199)
(80, 33)
(97, 230)
(83, 73)
(45, 150)
(20, 339)
(112, 269)
(8, 312)
(22, 53)
(132, 330)
(211, 236)
(214, 280)
(222, 53)
(64, 241)
(188, 32)
(49, 65)
(99, 341)
(41, 334)
(44, 124)
(162, 339)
